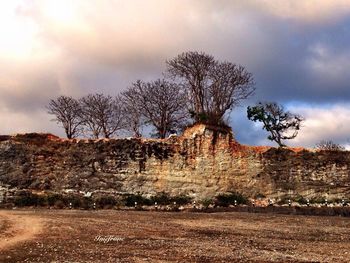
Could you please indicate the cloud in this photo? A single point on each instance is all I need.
(38, 121)
(322, 123)
(328, 64)
(298, 51)
(309, 11)
(326, 122)
(139, 32)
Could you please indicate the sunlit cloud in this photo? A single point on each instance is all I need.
(324, 123)
(310, 11)
(18, 34)
(296, 50)
(27, 123)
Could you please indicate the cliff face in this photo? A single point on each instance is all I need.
(202, 162)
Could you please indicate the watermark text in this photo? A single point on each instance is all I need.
(108, 239)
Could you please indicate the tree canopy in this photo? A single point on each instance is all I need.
(66, 111)
(161, 103)
(282, 125)
(195, 85)
(213, 87)
(102, 114)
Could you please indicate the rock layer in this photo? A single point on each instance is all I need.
(202, 162)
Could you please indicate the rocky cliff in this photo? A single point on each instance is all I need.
(202, 162)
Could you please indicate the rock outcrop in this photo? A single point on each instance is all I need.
(202, 162)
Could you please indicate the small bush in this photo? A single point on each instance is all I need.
(229, 199)
(161, 198)
(27, 198)
(106, 201)
(301, 200)
(181, 199)
(52, 198)
(283, 200)
(131, 199)
(42, 200)
(206, 202)
(318, 200)
(75, 200)
(86, 203)
(329, 145)
(24, 199)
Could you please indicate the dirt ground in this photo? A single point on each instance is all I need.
(136, 236)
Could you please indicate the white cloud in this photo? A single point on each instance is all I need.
(309, 11)
(26, 123)
(323, 123)
(52, 47)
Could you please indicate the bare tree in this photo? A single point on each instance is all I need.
(163, 104)
(281, 124)
(102, 114)
(89, 115)
(214, 87)
(230, 84)
(132, 112)
(66, 111)
(329, 145)
(193, 69)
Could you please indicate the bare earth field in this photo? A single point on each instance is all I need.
(80, 236)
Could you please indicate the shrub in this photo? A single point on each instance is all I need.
(132, 198)
(161, 198)
(338, 200)
(329, 145)
(284, 200)
(75, 200)
(229, 199)
(181, 199)
(41, 200)
(52, 198)
(318, 200)
(106, 201)
(24, 199)
(86, 203)
(207, 202)
(301, 200)
(27, 198)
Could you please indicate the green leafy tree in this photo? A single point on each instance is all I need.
(281, 124)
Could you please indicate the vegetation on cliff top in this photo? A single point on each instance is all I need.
(196, 86)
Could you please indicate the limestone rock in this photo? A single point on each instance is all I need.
(203, 162)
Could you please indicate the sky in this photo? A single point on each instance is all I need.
(297, 51)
